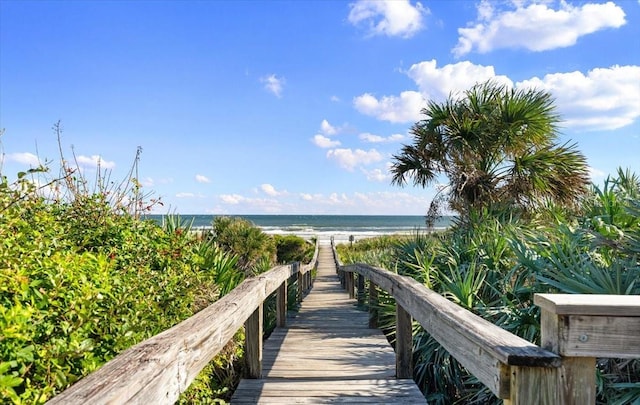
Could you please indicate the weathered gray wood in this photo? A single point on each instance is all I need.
(350, 284)
(583, 327)
(253, 343)
(361, 292)
(589, 304)
(160, 368)
(300, 283)
(593, 325)
(575, 380)
(327, 354)
(404, 344)
(482, 347)
(533, 386)
(281, 304)
(373, 305)
(300, 390)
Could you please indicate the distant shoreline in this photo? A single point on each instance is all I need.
(341, 227)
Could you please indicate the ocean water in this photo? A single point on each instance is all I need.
(325, 226)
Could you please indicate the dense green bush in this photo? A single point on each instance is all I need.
(84, 277)
(292, 248)
(255, 249)
(78, 288)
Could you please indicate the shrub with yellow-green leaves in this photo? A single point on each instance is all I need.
(81, 281)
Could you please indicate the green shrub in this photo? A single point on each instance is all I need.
(245, 240)
(292, 248)
(493, 264)
(83, 277)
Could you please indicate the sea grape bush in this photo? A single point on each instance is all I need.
(84, 277)
(80, 282)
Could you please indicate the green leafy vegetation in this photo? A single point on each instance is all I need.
(83, 276)
(493, 264)
(291, 248)
(497, 147)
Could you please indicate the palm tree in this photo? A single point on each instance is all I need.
(497, 147)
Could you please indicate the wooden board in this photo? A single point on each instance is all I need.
(327, 354)
(589, 304)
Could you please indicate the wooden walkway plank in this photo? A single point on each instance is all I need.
(327, 354)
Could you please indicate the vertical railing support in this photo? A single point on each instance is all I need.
(281, 305)
(253, 343)
(296, 269)
(373, 305)
(361, 292)
(404, 343)
(349, 283)
(582, 327)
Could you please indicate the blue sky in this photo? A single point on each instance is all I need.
(296, 107)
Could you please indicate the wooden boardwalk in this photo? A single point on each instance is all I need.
(327, 354)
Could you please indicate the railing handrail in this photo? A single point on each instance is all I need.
(575, 329)
(417, 299)
(159, 369)
(485, 349)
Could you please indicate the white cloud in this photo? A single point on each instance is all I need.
(336, 99)
(270, 190)
(95, 161)
(603, 99)
(388, 17)
(327, 128)
(377, 203)
(189, 195)
(536, 27)
(402, 109)
(232, 199)
(244, 204)
(274, 84)
(349, 159)
(324, 142)
(439, 83)
(367, 137)
(25, 158)
(377, 175)
(202, 179)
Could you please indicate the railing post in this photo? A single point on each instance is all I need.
(404, 343)
(253, 343)
(296, 268)
(281, 304)
(373, 305)
(361, 293)
(581, 327)
(349, 283)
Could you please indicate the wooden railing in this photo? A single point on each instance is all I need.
(575, 329)
(158, 369)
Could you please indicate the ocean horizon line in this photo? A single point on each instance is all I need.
(309, 225)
